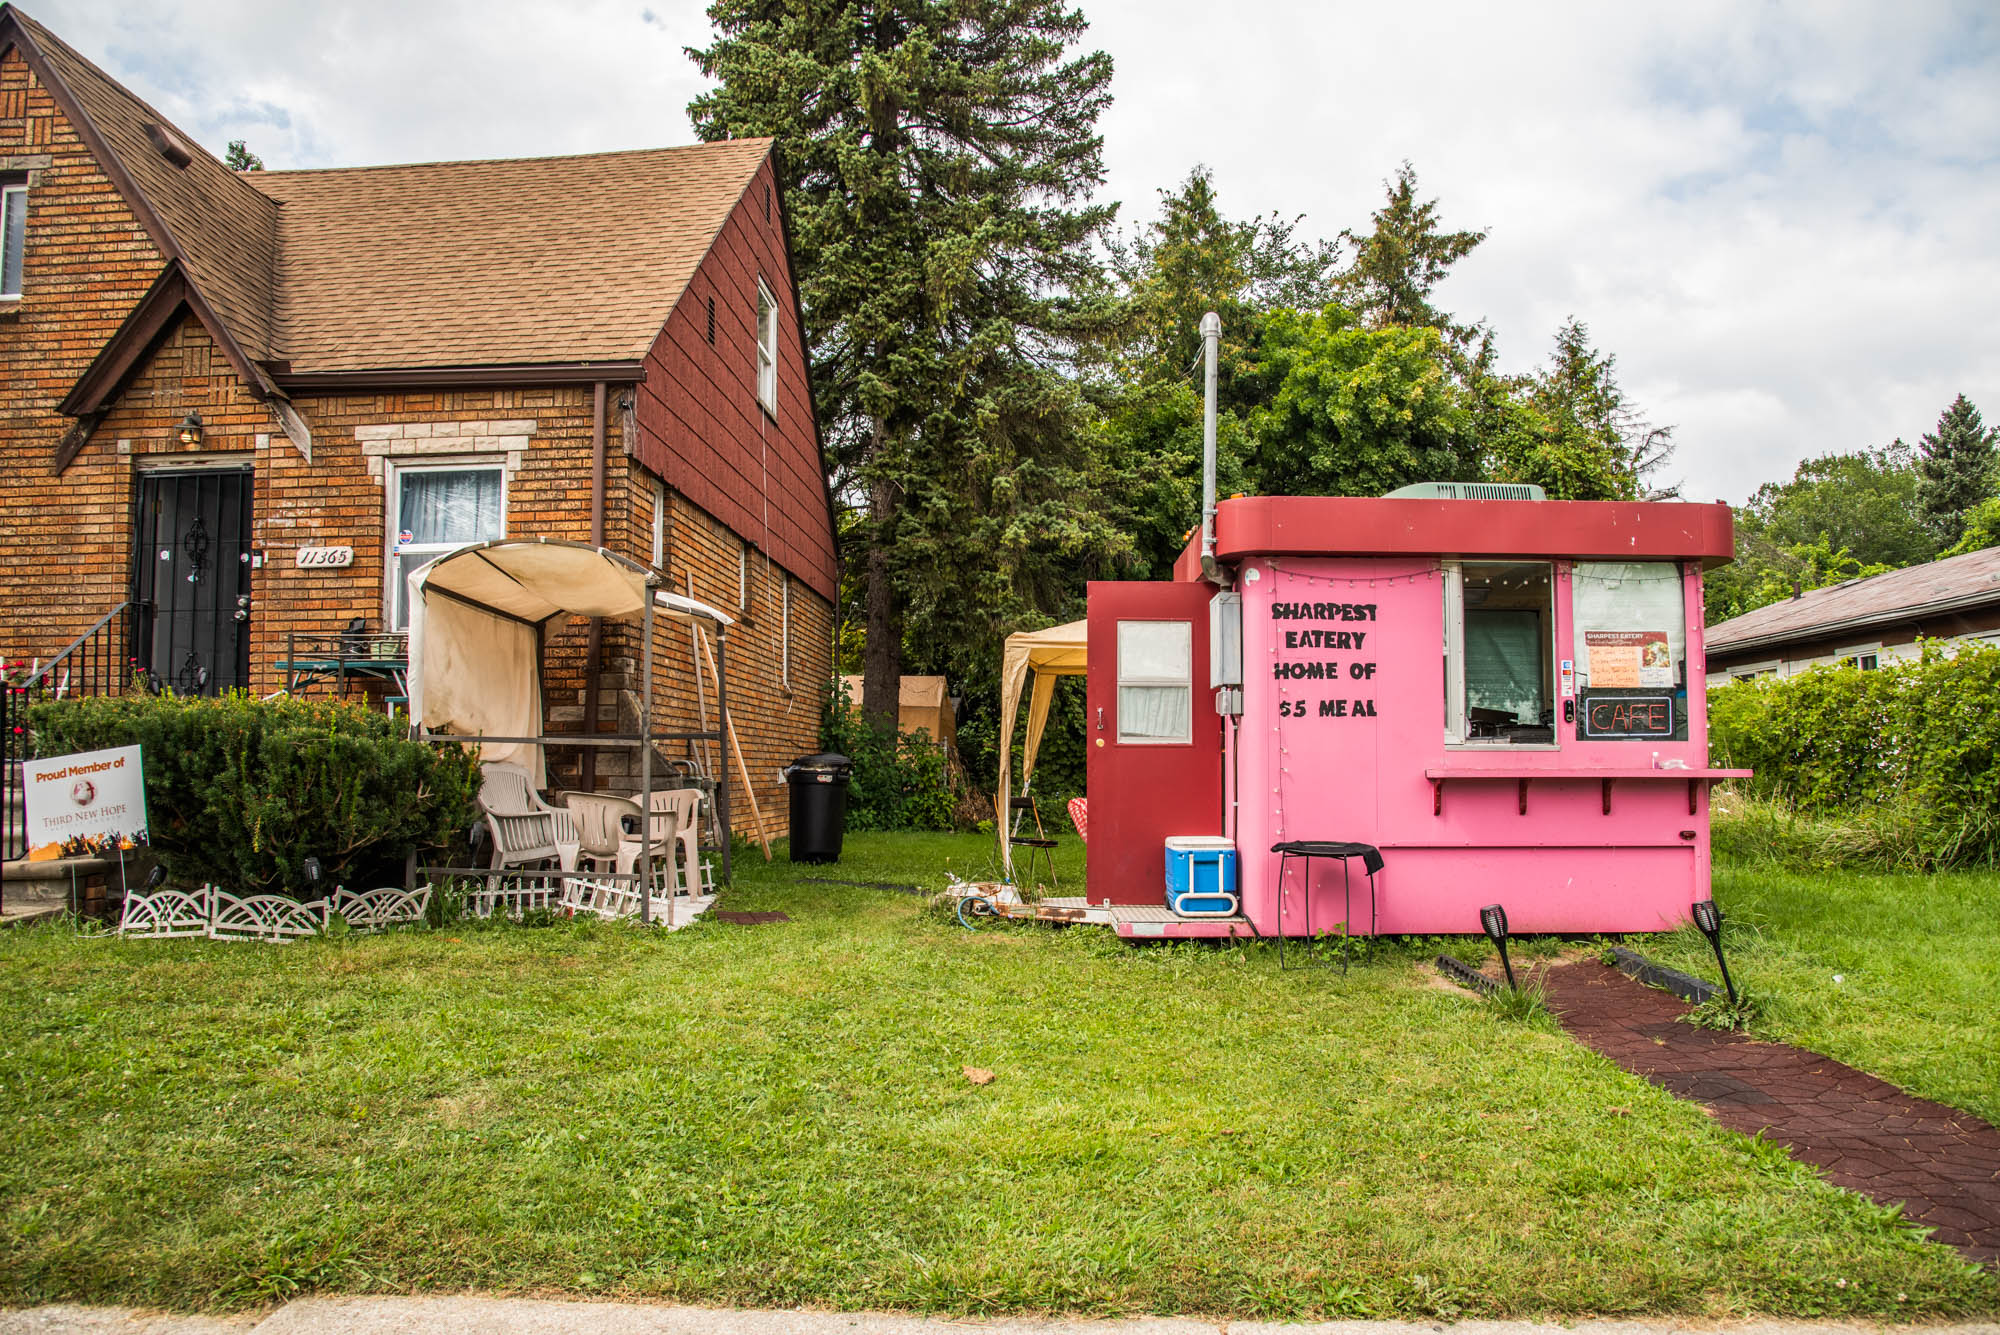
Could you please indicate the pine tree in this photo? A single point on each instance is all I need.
(1399, 264)
(1958, 466)
(937, 163)
(239, 158)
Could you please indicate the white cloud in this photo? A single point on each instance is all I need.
(1780, 218)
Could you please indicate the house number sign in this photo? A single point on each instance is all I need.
(325, 558)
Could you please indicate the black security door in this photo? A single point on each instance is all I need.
(191, 579)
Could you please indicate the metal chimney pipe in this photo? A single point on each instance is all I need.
(1211, 342)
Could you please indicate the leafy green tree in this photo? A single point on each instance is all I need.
(1957, 468)
(1864, 502)
(1765, 572)
(937, 162)
(1982, 528)
(1398, 265)
(239, 158)
(1347, 410)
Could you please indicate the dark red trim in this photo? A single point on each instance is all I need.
(143, 328)
(453, 377)
(1253, 526)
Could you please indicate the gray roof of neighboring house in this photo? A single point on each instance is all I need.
(1953, 584)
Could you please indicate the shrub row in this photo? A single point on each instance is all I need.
(1920, 739)
(240, 791)
(899, 782)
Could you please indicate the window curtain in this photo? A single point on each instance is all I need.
(451, 507)
(1503, 663)
(1154, 713)
(1629, 596)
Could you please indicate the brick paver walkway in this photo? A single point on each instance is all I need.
(1863, 1133)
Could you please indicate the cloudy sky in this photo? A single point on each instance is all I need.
(1783, 219)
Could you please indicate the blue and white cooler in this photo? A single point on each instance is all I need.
(1201, 876)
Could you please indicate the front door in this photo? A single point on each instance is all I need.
(1153, 738)
(191, 579)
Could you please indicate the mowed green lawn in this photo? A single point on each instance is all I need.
(779, 1115)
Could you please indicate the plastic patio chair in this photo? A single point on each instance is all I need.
(526, 831)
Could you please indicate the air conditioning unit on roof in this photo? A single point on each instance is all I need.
(1469, 491)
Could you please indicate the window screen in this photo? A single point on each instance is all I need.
(1503, 664)
(437, 510)
(13, 235)
(1155, 681)
(1499, 654)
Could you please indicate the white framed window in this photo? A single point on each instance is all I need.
(767, 349)
(785, 631)
(1499, 653)
(1867, 657)
(1155, 682)
(659, 525)
(433, 508)
(13, 236)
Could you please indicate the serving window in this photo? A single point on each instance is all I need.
(1499, 638)
(1630, 624)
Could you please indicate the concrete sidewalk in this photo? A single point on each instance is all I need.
(529, 1316)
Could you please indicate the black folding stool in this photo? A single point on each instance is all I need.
(1371, 861)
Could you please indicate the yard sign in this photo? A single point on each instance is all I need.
(99, 796)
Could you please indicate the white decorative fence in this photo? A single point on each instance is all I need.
(221, 916)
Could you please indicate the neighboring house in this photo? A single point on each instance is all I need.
(394, 360)
(1865, 622)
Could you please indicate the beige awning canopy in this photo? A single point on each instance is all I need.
(1059, 651)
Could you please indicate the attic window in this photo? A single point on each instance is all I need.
(169, 144)
(13, 234)
(767, 203)
(767, 349)
(711, 322)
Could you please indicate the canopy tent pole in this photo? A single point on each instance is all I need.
(721, 770)
(646, 766)
(736, 747)
(1058, 651)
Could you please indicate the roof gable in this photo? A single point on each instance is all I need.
(526, 261)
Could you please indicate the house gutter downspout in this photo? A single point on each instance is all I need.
(594, 652)
(1211, 341)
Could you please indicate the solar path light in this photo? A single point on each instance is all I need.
(1708, 921)
(1493, 919)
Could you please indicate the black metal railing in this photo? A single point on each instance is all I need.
(101, 661)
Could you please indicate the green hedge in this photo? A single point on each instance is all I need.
(240, 791)
(1920, 738)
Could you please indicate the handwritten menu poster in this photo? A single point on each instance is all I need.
(1629, 658)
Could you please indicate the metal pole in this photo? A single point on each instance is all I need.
(722, 770)
(1211, 342)
(646, 768)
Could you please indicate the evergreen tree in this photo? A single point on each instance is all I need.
(239, 158)
(1399, 264)
(1956, 469)
(937, 163)
(1570, 428)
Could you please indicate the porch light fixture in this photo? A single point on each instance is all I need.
(189, 431)
(1708, 921)
(1493, 920)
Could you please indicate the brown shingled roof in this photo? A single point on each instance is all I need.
(224, 232)
(1939, 586)
(512, 262)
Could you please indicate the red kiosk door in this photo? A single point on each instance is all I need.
(1153, 738)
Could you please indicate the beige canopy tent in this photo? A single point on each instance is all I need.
(477, 615)
(921, 703)
(1059, 651)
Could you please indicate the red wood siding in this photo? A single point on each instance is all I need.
(700, 424)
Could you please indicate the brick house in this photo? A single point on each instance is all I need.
(393, 360)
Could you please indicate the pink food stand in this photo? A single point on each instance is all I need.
(1505, 697)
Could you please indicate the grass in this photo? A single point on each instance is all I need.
(1889, 972)
(779, 1115)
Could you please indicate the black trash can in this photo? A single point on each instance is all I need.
(819, 806)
